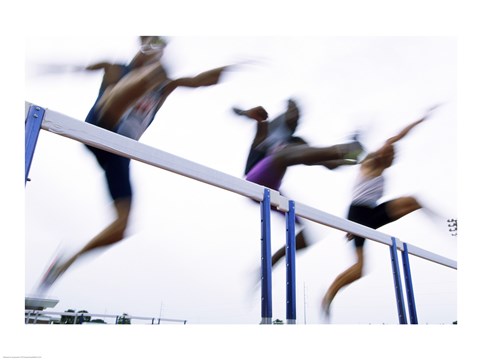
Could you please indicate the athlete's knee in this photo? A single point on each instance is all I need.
(115, 233)
(414, 204)
(410, 204)
(120, 226)
(123, 206)
(357, 270)
(402, 206)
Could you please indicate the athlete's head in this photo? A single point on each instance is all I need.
(152, 42)
(151, 49)
(152, 45)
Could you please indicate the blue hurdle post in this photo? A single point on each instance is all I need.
(33, 124)
(412, 310)
(290, 260)
(402, 316)
(266, 259)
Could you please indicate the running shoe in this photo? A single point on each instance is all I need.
(334, 164)
(50, 276)
(325, 312)
(353, 150)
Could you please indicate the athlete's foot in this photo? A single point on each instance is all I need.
(50, 276)
(257, 113)
(353, 150)
(333, 164)
(325, 310)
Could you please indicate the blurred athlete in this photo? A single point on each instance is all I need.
(365, 209)
(275, 148)
(128, 100)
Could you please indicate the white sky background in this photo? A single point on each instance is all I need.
(186, 269)
(186, 238)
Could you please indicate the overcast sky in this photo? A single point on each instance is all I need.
(193, 251)
(187, 241)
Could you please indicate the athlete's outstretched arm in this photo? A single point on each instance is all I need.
(407, 129)
(112, 73)
(99, 66)
(206, 78)
(259, 114)
(404, 132)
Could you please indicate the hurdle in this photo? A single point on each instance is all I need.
(39, 118)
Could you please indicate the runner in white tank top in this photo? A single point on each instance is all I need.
(366, 210)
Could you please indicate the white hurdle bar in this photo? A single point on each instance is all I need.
(92, 135)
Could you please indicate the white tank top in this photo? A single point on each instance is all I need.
(367, 191)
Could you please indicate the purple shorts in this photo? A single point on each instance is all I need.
(265, 174)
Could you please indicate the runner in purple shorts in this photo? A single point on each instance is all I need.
(275, 148)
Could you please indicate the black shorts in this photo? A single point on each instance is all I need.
(116, 167)
(372, 217)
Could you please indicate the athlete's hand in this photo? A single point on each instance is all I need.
(257, 113)
(430, 110)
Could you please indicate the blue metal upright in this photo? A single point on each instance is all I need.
(33, 124)
(266, 259)
(402, 316)
(290, 260)
(412, 310)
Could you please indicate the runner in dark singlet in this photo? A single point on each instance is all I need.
(275, 148)
(128, 101)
